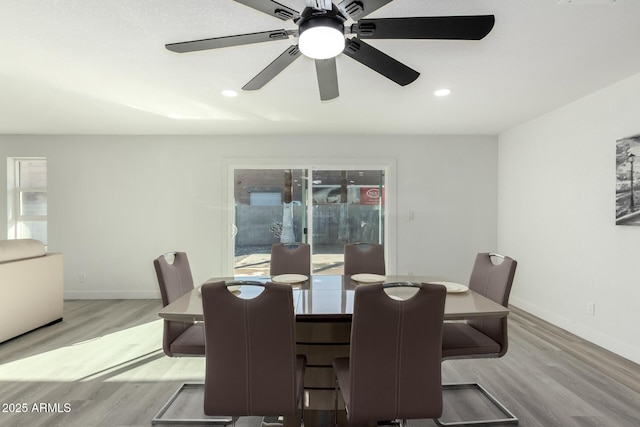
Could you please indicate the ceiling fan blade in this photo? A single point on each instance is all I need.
(272, 8)
(380, 62)
(228, 41)
(319, 4)
(358, 9)
(273, 69)
(327, 78)
(473, 27)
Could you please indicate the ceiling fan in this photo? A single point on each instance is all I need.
(322, 35)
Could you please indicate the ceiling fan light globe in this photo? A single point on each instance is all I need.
(321, 42)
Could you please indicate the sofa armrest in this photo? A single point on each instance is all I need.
(13, 250)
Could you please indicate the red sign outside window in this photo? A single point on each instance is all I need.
(371, 195)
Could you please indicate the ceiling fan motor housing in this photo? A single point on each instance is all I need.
(311, 18)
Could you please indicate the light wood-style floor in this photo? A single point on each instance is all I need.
(103, 366)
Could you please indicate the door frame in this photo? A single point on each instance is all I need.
(231, 164)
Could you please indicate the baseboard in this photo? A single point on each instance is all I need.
(115, 294)
(598, 338)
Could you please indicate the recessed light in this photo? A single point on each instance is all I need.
(229, 93)
(442, 92)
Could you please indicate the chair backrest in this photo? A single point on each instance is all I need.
(494, 281)
(364, 258)
(395, 355)
(174, 280)
(290, 259)
(250, 352)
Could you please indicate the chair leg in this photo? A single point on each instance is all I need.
(510, 418)
(249, 421)
(159, 420)
(302, 402)
(335, 412)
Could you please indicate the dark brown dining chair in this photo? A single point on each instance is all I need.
(364, 258)
(178, 338)
(290, 258)
(492, 276)
(251, 365)
(392, 372)
(175, 280)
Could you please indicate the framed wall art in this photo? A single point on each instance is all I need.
(628, 181)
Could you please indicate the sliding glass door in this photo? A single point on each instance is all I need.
(269, 207)
(346, 206)
(321, 206)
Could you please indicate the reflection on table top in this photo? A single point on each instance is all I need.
(330, 298)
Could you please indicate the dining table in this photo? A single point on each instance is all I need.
(323, 306)
(329, 298)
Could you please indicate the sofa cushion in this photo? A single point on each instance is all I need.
(13, 250)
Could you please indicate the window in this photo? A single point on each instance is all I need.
(346, 204)
(27, 183)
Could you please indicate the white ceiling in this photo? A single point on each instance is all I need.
(100, 67)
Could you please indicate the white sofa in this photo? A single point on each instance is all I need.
(31, 287)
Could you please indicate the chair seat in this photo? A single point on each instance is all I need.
(461, 339)
(190, 342)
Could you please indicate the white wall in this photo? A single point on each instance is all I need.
(116, 203)
(556, 216)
